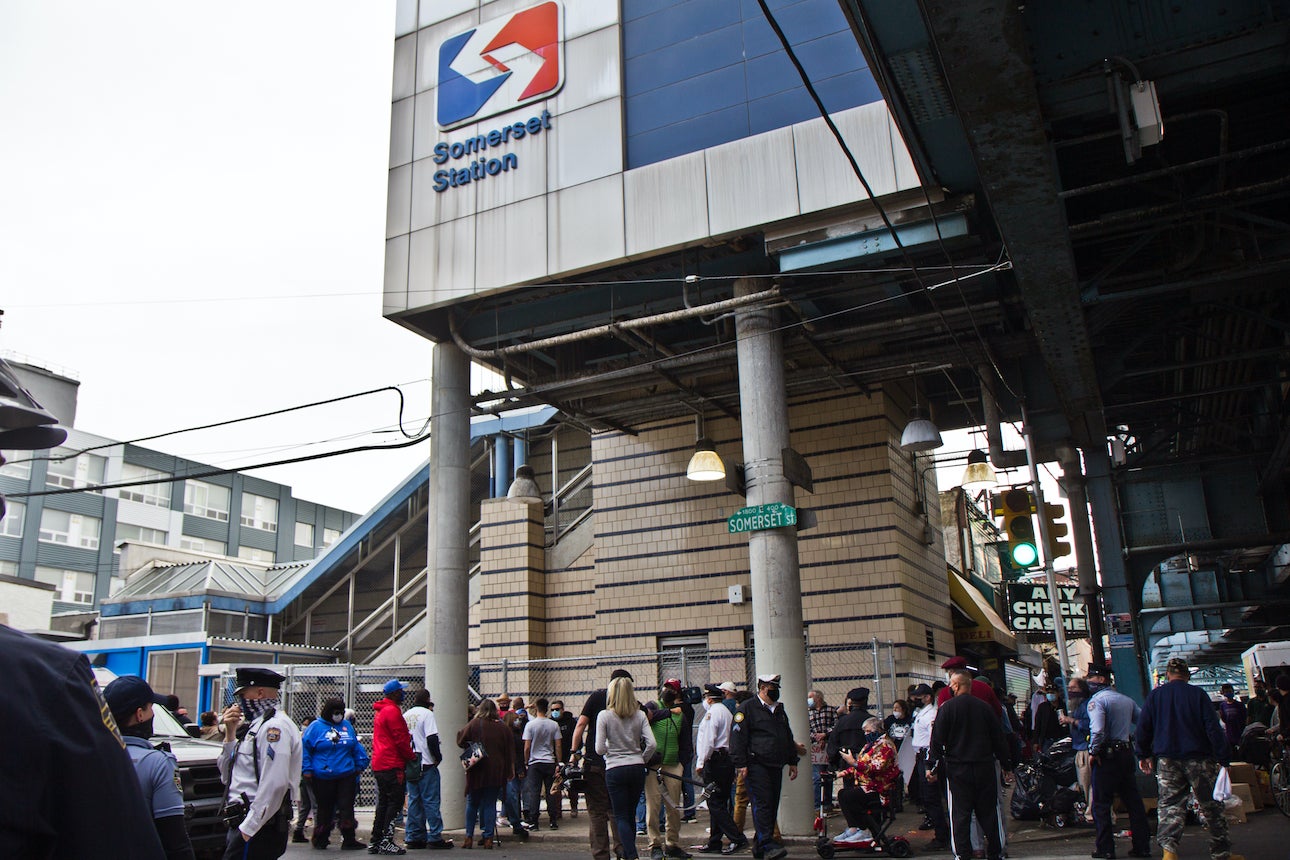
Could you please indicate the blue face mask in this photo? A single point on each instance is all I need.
(1052, 697)
(871, 737)
(555, 715)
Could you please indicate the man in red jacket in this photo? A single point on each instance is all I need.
(391, 751)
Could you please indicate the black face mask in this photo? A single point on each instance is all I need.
(139, 730)
(772, 693)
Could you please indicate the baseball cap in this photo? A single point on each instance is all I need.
(128, 693)
(728, 686)
(674, 683)
(252, 676)
(922, 690)
(393, 686)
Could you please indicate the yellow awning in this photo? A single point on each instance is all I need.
(989, 626)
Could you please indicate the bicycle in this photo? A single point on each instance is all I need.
(1279, 776)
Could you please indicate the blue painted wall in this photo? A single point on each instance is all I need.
(698, 73)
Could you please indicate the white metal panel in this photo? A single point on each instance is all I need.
(398, 201)
(666, 203)
(751, 181)
(148, 516)
(593, 66)
(405, 67)
(395, 295)
(824, 175)
(441, 261)
(405, 17)
(430, 207)
(434, 11)
(401, 132)
(511, 244)
(529, 177)
(586, 225)
(425, 131)
(586, 16)
(906, 174)
(590, 144)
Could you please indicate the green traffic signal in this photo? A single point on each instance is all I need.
(1016, 506)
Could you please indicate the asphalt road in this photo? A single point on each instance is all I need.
(1266, 836)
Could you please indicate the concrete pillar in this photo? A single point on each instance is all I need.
(447, 596)
(1085, 561)
(772, 553)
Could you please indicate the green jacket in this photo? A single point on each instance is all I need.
(667, 734)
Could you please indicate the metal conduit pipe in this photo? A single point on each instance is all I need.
(607, 329)
(999, 458)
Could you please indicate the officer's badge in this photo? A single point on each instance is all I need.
(274, 735)
(739, 717)
(179, 783)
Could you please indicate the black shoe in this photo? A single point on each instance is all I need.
(440, 844)
(779, 852)
(415, 843)
(927, 825)
(735, 848)
(678, 852)
(1103, 855)
(298, 836)
(936, 845)
(709, 849)
(351, 845)
(521, 833)
(553, 826)
(690, 819)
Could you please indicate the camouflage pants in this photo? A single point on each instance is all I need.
(1177, 777)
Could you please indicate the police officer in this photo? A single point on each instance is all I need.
(761, 742)
(260, 766)
(131, 701)
(713, 765)
(1111, 717)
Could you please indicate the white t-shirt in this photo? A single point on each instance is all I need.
(543, 732)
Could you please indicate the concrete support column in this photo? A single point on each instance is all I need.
(512, 594)
(447, 595)
(772, 553)
(1118, 589)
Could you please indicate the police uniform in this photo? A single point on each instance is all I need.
(717, 768)
(1111, 716)
(263, 769)
(762, 741)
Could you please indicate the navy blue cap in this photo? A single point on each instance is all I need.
(128, 693)
(251, 676)
(713, 690)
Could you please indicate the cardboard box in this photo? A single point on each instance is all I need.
(1241, 771)
(1250, 801)
(1265, 788)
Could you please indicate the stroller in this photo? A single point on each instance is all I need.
(877, 820)
(1048, 788)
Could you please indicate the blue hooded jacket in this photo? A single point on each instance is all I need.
(332, 750)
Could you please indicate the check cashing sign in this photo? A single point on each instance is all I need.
(1030, 610)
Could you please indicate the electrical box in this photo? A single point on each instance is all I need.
(1146, 112)
(737, 594)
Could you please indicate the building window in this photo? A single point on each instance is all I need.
(176, 672)
(72, 586)
(11, 525)
(68, 471)
(330, 536)
(260, 556)
(305, 535)
(206, 500)
(140, 534)
(213, 547)
(684, 658)
(157, 495)
(69, 529)
(259, 512)
(19, 469)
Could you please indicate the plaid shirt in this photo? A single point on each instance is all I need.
(822, 719)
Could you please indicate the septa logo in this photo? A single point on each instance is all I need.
(501, 65)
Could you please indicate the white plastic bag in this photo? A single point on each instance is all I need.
(1223, 786)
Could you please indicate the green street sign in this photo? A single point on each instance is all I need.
(772, 516)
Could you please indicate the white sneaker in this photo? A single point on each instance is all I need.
(858, 836)
(845, 835)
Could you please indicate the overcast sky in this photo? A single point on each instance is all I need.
(192, 213)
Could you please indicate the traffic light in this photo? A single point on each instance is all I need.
(1016, 506)
(1056, 548)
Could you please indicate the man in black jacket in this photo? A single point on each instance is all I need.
(848, 732)
(967, 738)
(761, 742)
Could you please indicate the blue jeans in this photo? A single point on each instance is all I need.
(511, 801)
(482, 804)
(687, 790)
(425, 824)
(625, 785)
(817, 783)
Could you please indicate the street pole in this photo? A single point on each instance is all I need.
(772, 553)
(1049, 573)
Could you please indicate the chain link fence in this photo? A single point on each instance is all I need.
(832, 669)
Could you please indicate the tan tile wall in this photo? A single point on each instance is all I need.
(662, 560)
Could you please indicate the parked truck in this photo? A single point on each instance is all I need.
(1265, 661)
